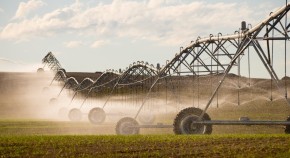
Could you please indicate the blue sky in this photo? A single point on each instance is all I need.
(96, 35)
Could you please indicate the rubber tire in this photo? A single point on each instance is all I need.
(146, 119)
(184, 119)
(287, 127)
(53, 101)
(123, 126)
(40, 70)
(75, 115)
(97, 116)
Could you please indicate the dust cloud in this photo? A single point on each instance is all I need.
(23, 96)
(27, 96)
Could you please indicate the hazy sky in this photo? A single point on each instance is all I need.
(95, 35)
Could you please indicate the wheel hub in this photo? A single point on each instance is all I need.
(189, 125)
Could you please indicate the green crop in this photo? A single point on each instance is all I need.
(146, 146)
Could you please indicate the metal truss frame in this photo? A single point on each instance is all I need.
(51, 62)
(218, 54)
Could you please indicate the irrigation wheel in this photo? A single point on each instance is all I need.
(75, 114)
(40, 70)
(127, 126)
(97, 116)
(287, 127)
(53, 101)
(184, 122)
(146, 119)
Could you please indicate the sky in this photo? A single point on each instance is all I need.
(95, 35)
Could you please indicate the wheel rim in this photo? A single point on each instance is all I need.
(188, 125)
(97, 116)
(40, 70)
(127, 126)
(75, 115)
(185, 122)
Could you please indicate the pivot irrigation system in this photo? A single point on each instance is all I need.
(215, 57)
(137, 77)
